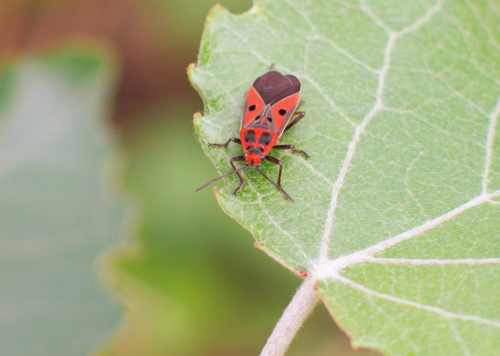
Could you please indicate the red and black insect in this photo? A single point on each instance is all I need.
(269, 105)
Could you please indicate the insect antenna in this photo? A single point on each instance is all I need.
(277, 186)
(222, 176)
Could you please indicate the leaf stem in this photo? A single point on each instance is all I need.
(294, 316)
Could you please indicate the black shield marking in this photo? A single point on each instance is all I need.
(250, 136)
(265, 139)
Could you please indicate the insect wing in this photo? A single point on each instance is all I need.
(272, 85)
(254, 105)
(275, 93)
(283, 110)
(285, 104)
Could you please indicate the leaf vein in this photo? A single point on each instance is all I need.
(428, 308)
(489, 145)
(378, 106)
(459, 340)
(433, 262)
(346, 54)
(331, 268)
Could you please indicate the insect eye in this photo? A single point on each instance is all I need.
(282, 112)
(251, 108)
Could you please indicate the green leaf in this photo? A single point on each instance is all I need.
(55, 214)
(397, 211)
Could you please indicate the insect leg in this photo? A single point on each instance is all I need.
(232, 139)
(238, 159)
(278, 184)
(279, 163)
(222, 176)
(290, 147)
(297, 119)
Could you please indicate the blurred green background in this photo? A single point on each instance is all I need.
(186, 277)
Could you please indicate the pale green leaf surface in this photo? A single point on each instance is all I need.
(55, 214)
(397, 209)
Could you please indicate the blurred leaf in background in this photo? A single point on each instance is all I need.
(155, 41)
(55, 215)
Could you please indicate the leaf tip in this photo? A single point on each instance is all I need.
(197, 117)
(258, 245)
(190, 69)
(216, 10)
(197, 122)
(191, 73)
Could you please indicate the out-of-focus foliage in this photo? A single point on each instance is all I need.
(154, 39)
(55, 216)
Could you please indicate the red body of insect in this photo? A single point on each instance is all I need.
(269, 105)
